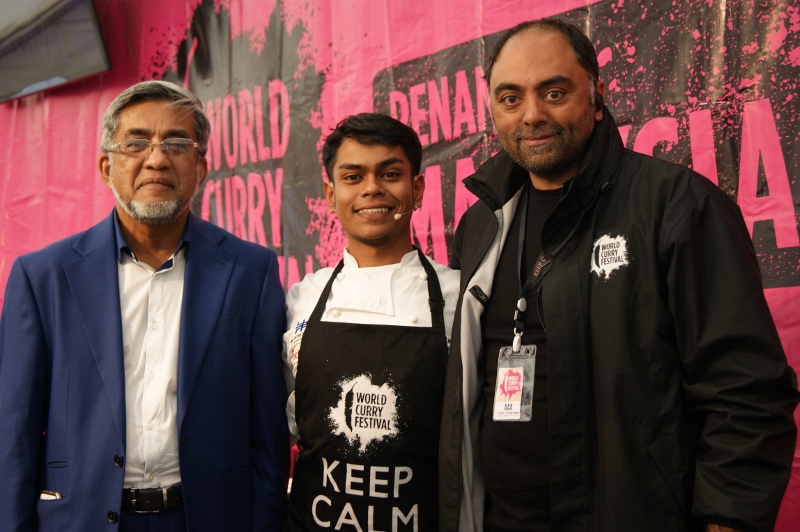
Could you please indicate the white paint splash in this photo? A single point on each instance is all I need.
(609, 254)
(365, 413)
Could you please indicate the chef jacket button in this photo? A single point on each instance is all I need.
(413, 319)
(112, 516)
(340, 275)
(118, 460)
(335, 313)
(423, 276)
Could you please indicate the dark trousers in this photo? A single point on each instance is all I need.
(169, 521)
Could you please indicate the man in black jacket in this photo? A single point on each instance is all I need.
(614, 365)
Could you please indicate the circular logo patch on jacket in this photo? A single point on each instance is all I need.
(609, 254)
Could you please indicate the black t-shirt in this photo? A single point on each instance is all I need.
(514, 455)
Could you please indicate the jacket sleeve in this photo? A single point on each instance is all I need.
(23, 402)
(736, 375)
(269, 431)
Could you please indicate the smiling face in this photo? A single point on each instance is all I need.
(542, 105)
(370, 184)
(153, 188)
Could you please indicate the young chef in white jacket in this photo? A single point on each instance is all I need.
(367, 344)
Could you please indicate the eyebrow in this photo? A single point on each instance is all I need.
(170, 133)
(506, 87)
(544, 83)
(381, 165)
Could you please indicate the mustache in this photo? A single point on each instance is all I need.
(546, 130)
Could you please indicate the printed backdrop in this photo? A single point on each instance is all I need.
(706, 83)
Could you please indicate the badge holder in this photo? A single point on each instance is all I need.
(516, 365)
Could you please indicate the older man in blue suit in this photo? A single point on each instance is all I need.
(141, 385)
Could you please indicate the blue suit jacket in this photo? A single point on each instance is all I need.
(62, 385)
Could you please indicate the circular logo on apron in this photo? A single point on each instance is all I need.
(365, 413)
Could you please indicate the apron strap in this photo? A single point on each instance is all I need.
(435, 298)
(326, 292)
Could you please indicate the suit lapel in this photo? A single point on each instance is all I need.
(208, 271)
(94, 285)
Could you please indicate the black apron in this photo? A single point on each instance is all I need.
(368, 407)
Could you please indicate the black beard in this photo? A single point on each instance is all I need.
(550, 161)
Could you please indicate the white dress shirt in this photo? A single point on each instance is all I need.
(396, 294)
(151, 304)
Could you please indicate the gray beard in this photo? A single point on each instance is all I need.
(153, 212)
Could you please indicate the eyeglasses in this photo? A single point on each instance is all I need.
(178, 147)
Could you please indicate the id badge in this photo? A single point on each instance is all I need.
(513, 395)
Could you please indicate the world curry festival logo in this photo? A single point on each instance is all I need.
(365, 413)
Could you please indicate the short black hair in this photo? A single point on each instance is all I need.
(585, 53)
(372, 129)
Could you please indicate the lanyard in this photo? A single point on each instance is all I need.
(543, 264)
(535, 277)
(540, 268)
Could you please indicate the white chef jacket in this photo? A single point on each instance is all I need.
(395, 294)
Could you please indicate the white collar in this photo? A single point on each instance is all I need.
(409, 259)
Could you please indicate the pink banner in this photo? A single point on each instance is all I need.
(708, 84)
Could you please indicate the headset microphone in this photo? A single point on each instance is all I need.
(400, 215)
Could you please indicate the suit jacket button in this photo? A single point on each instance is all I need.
(112, 516)
(118, 460)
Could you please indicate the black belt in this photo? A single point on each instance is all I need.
(151, 500)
